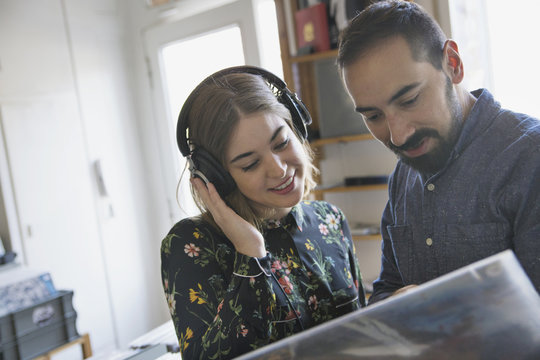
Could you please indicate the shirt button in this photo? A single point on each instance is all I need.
(431, 187)
(284, 236)
(429, 241)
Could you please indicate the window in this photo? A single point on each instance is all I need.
(496, 40)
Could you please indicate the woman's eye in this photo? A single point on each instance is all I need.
(250, 166)
(282, 145)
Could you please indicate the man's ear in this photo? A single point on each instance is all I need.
(452, 63)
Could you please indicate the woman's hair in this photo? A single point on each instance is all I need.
(213, 116)
(387, 19)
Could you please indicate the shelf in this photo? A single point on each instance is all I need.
(366, 237)
(342, 139)
(352, 188)
(313, 57)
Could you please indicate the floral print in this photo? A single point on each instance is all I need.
(191, 250)
(224, 303)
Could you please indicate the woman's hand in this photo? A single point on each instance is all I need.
(244, 236)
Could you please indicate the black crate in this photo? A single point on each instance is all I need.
(29, 332)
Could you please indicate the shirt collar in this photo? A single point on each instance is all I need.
(484, 110)
(287, 220)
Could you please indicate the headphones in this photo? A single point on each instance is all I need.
(201, 163)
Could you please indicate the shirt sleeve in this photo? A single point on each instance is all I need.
(219, 300)
(520, 204)
(355, 267)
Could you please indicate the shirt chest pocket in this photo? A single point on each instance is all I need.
(452, 247)
(463, 244)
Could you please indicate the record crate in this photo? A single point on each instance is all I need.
(34, 330)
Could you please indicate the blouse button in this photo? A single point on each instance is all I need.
(431, 187)
(429, 241)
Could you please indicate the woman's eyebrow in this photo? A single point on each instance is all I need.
(276, 133)
(249, 153)
(241, 156)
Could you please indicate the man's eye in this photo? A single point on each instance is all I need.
(250, 166)
(410, 101)
(372, 117)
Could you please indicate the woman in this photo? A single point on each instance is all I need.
(259, 264)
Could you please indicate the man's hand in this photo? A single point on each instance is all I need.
(403, 289)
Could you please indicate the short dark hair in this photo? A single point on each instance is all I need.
(387, 19)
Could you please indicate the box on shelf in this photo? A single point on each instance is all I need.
(312, 29)
(34, 330)
(23, 289)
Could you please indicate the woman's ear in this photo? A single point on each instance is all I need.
(452, 63)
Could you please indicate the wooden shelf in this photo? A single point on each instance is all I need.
(342, 139)
(352, 188)
(314, 57)
(366, 237)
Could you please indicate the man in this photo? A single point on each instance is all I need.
(467, 185)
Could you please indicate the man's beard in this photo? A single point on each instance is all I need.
(435, 160)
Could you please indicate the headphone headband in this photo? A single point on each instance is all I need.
(202, 163)
(285, 96)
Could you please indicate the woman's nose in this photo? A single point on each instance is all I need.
(277, 167)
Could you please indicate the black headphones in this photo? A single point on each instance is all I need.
(201, 163)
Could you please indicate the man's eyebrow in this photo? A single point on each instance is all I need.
(403, 91)
(360, 109)
(394, 97)
(249, 153)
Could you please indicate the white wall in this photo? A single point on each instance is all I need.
(103, 73)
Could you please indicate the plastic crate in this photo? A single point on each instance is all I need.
(29, 332)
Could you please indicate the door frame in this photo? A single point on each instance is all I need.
(155, 38)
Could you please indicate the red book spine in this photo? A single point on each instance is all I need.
(312, 28)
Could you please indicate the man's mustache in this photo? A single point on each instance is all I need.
(415, 140)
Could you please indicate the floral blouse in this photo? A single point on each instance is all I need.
(224, 303)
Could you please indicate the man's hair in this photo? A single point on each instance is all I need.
(384, 20)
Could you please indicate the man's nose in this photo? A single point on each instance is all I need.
(400, 129)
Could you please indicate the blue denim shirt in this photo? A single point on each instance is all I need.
(486, 199)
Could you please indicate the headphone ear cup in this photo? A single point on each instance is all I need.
(300, 115)
(213, 171)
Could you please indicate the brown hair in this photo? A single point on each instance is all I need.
(213, 116)
(387, 19)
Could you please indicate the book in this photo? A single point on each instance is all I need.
(312, 29)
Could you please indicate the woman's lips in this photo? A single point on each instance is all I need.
(285, 186)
